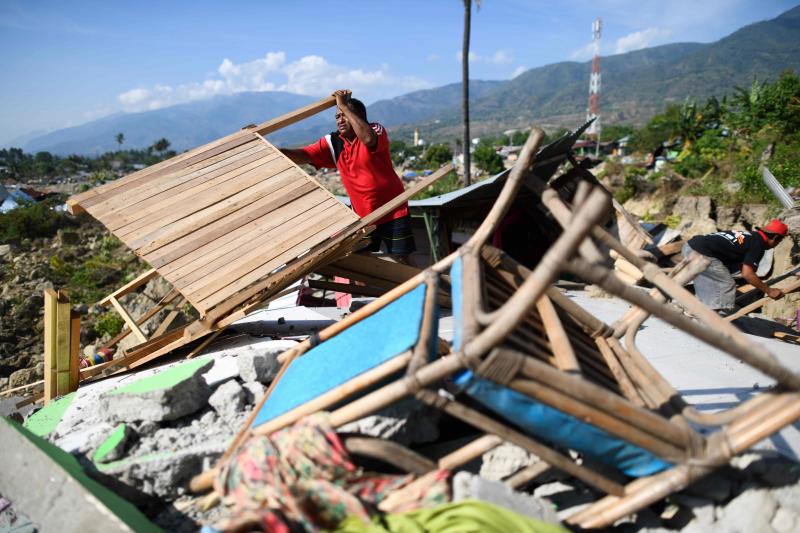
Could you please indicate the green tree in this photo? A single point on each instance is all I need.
(161, 145)
(438, 154)
(487, 159)
(120, 138)
(519, 138)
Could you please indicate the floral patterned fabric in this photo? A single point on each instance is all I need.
(302, 478)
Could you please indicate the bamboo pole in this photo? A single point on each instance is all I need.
(624, 382)
(490, 425)
(471, 451)
(507, 317)
(753, 354)
(562, 349)
(761, 302)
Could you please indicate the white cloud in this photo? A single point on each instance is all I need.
(519, 70)
(641, 39)
(583, 53)
(500, 57)
(433, 57)
(311, 75)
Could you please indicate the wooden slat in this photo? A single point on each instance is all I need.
(562, 349)
(223, 229)
(216, 254)
(161, 218)
(144, 318)
(377, 268)
(129, 200)
(148, 212)
(129, 287)
(63, 344)
(80, 202)
(50, 326)
(250, 204)
(74, 351)
(270, 126)
(302, 241)
(132, 325)
(308, 233)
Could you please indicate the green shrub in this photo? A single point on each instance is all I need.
(110, 323)
(31, 221)
(449, 183)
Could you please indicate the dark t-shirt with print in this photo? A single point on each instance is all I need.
(733, 248)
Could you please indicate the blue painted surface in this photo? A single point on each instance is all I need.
(456, 283)
(559, 428)
(359, 348)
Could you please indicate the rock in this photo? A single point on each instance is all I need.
(469, 486)
(229, 399)
(788, 497)
(23, 376)
(752, 510)
(168, 395)
(643, 206)
(406, 422)
(67, 237)
(3, 383)
(506, 459)
(5, 250)
(257, 367)
(88, 350)
(785, 520)
(701, 508)
(254, 391)
(693, 207)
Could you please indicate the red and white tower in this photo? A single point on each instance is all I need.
(594, 83)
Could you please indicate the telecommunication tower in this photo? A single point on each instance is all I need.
(594, 85)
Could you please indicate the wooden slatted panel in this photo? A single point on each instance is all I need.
(219, 218)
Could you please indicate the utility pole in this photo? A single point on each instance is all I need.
(594, 86)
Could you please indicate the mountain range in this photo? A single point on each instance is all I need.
(635, 86)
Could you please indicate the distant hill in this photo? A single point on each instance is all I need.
(635, 86)
(185, 125)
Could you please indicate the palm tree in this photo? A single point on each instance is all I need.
(120, 138)
(465, 85)
(161, 145)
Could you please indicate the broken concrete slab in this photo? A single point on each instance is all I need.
(406, 422)
(46, 419)
(229, 399)
(169, 395)
(505, 460)
(469, 486)
(255, 391)
(262, 364)
(65, 499)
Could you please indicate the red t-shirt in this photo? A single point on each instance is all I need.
(368, 176)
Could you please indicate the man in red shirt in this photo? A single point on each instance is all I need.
(360, 151)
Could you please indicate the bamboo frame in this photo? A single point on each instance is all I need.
(505, 325)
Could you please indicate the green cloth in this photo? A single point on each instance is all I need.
(466, 516)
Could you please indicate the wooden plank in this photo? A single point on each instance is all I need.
(144, 318)
(207, 211)
(377, 268)
(63, 344)
(143, 193)
(170, 318)
(332, 271)
(50, 327)
(758, 304)
(273, 194)
(129, 287)
(132, 325)
(241, 273)
(200, 347)
(271, 126)
(138, 216)
(203, 262)
(350, 288)
(226, 228)
(80, 202)
(74, 351)
(161, 216)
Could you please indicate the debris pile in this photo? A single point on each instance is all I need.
(476, 386)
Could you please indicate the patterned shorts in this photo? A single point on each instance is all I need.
(396, 235)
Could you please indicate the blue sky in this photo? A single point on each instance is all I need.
(67, 62)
